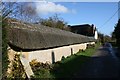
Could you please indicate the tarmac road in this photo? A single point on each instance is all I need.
(103, 64)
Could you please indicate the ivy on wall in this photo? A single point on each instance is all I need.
(5, 61)
(17, 69)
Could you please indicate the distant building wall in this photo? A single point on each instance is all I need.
(96, 35)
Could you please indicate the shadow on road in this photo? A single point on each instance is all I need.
(100, 65)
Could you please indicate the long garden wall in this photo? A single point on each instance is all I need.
(46, 44)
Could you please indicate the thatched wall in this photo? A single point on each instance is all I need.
(35, 36)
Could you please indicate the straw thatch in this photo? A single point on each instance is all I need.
(35, 36)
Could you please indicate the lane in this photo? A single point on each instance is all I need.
(103, 64)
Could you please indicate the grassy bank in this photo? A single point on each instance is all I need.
(67, 67)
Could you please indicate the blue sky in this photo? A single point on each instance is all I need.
(61, 0)
(93, 13)
(79, 12)
(73, 13)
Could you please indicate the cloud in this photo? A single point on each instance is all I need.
(50, 7)
(73, 11)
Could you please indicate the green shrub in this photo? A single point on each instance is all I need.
(41, 70)
(17, 69)
(5, 61)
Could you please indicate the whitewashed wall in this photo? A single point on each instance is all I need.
(55, 54)
(49, 55)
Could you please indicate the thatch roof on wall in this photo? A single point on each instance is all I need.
(36, 36)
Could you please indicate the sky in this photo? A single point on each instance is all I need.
(77, 13)
(61, 0)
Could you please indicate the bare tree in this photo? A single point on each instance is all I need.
(28, 12)
(24, 11)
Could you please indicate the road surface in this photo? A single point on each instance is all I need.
(103, 64)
